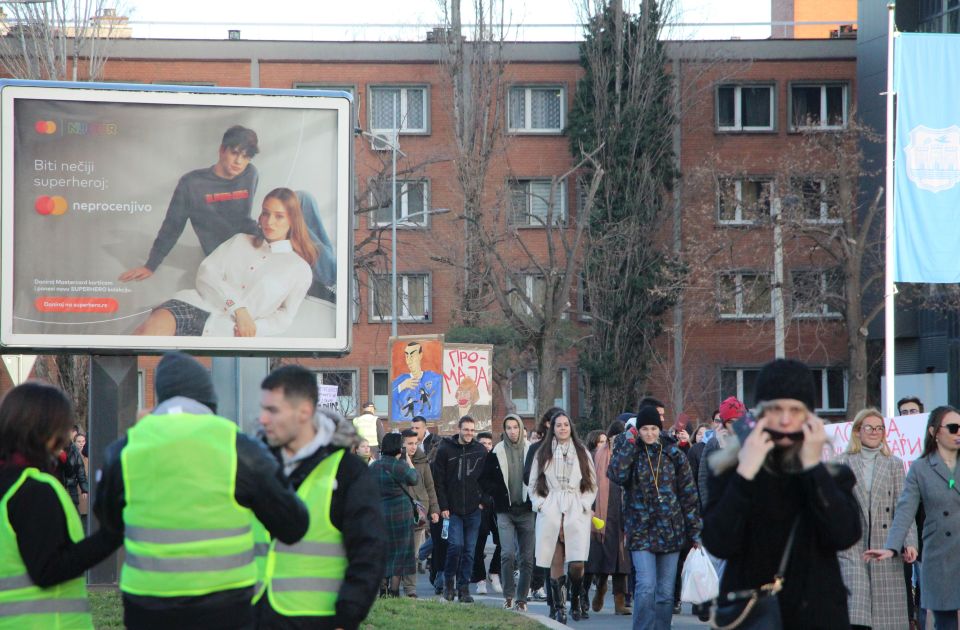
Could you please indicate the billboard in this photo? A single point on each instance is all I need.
(139, 218)
(467, 385)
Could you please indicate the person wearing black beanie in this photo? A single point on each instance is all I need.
(769, 496)
(183, 469)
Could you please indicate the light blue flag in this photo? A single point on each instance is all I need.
(927, 172)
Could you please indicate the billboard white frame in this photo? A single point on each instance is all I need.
(340, 102)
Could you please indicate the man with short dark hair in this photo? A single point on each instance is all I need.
(217, 201)
(909, 405)
(182, 489)
(338, 565)
(426, 495)
(457, 467)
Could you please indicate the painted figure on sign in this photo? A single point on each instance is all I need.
(419, 392)
(468, 394)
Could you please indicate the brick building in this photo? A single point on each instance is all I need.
(739, 102)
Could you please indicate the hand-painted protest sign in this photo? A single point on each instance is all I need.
(416, 383)
(467, 385)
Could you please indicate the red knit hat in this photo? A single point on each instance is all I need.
(731, 409)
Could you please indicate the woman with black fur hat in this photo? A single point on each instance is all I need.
(771, 499)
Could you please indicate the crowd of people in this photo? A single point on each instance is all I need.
(305, 524)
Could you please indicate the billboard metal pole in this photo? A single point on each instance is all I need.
(393, 217)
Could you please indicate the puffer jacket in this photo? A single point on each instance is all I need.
(661, 510)
(456, 475)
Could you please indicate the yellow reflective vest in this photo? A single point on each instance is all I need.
(24, 605)
(184, 532)
(304, 579)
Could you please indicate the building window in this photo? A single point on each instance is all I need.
(584, 294)
(346, 382)
(413, 297)
(745, 294)
(831, 389)
(530, 202)
(536, 109)
(525, 385)
(743, 201)
(745, 108)
(412, 205)
(819, 198)
(405, 107)
(938, 16)
(818, 106)
(534, 288)
(141, 398)
(816, 293)
(741, 383)
(380, 389)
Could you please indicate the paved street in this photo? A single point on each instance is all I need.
(602, 620)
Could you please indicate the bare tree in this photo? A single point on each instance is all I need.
(72, 374)
(62, 40)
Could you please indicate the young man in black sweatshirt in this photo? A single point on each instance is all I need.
(457, 467)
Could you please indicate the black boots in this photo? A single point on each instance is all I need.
(448, 589)
(463, 594)
(578, 598)
(558, 608)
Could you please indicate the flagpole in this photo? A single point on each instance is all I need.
(889, 290)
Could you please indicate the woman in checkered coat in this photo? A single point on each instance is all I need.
(878, 593)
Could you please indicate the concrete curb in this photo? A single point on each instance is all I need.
(543, 620)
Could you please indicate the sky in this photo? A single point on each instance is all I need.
(296, 19)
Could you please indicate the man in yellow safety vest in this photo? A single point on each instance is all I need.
(330, 578)
(182, 489)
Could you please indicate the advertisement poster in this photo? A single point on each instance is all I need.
(905, 435)
(416, 379)
(140, 219)
(467, 385)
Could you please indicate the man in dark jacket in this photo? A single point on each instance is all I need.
(302, 437)
(184, 392)
(502, 479)
(457, 467)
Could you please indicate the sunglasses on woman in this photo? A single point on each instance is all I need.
(953, 428)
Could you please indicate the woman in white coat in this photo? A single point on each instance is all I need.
(563, 486)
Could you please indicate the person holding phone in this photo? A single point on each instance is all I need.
(769, 480)
(933, 480)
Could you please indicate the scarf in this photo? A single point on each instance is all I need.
(514, 453)
(601, 461)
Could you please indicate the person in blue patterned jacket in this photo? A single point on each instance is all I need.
(661, 511)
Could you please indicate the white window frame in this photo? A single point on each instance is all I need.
(373, 395)
(738, 107)
(141, 393)
(824, 123)
(824, 184)
(528, 105)
(403, 188)
(822, 406)
(529, 281)
(351, 405)
(824, 311)
(533, 220)
(403, 288)
(739, 295)
(740, 393)
(405, 129)
(738, 194)
(529, 406)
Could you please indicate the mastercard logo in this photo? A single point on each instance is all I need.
(50, 205)
(45, 126)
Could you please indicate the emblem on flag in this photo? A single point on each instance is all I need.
(933, 157)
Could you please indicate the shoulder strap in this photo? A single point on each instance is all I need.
(781, 571)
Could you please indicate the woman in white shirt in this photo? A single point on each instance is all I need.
(250, 285)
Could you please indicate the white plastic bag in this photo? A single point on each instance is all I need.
(700, 581)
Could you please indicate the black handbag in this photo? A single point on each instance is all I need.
(754, 608)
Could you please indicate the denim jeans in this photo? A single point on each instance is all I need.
(516, 528)
(653, 597)
(461, 540)
(944, 619)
